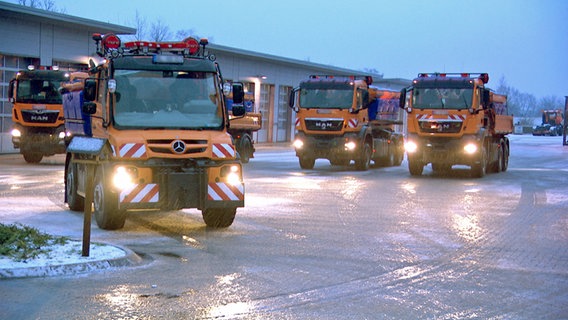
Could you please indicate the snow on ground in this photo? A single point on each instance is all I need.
(63, 259)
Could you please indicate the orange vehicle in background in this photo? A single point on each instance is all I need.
(344, 119)
(552, 123)
(453, 119)
(157, 112)
(37, 112)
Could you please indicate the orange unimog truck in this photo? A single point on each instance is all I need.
(37, 112)
(152, 118)
(453, 119)
(342, 119)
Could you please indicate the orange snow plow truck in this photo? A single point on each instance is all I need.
(159, 110)
(37, 112)
(344, 119)
(453, 119)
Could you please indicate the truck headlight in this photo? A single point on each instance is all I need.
(16, 133)
(470, 148)
(350, 145)
(298, 144)
(232, 174)
(124, 177)
(410, 146)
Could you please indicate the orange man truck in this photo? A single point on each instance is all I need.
(37, 113)
(152, 118)
(453, 119)
(342, 119)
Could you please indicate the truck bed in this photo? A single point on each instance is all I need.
(250, 122)
(503, 124)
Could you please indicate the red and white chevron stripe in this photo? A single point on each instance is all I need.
(140, 193)
(352, 123)
(450, 117)
(132, 150)
(223, 150)
(221, 191)
(297, 122)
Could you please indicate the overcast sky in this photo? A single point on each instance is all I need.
(524, 41)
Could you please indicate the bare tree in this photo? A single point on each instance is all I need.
(140, 25)
(551, 102)
(48, 5)
(159, 31)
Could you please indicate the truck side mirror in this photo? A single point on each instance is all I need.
(486, 99)
(402, 98)
(364, 99)
(238, 93)
(89, 108)
(238, 110)
(90, 90)
(292, 100)
(11, 89)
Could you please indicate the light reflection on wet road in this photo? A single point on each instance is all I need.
(327, 243)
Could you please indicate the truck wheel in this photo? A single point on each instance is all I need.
(74, 200)
(245, 149)
(415, 167)
(307, 162)
(497, 166)
(106, 204)
(398, 157)
(219, 217)
(478, 170)
(505, 157)
(363, 163)
(33, 157)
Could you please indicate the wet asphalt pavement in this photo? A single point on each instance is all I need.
(328, 243)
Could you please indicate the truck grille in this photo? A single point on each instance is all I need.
(166, 146)
(324, 124)
(440, 126)
(40, 116)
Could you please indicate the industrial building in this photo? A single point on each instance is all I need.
(37, 37)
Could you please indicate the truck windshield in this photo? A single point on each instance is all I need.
(326, 98)
(167, 99)
(38, 91)
(442, 98)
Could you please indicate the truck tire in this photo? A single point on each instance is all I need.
(219, 217)
(505, 159)
(74, 200)
(398, 156)
(32, 157)
(497, 165)
(105, 204)
(480, 169)
(415, 167)
(306, 162)
(364, 161)
(245, 148)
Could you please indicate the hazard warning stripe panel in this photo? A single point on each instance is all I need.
(352, 123)
(297, 122)
(223, 150)
(450, 117)
(221, 191)
(141, 193)
(132, 150)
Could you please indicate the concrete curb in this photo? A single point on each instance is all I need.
(130, 258)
